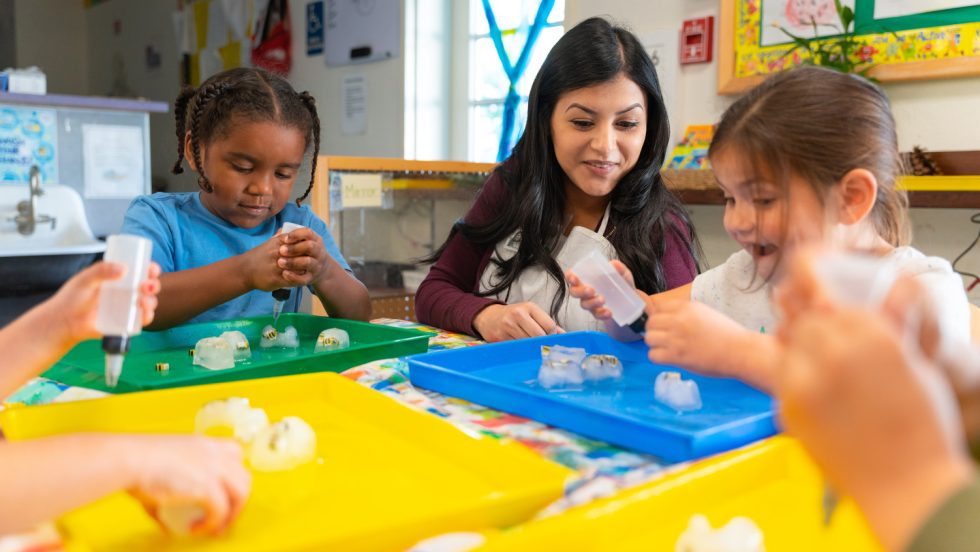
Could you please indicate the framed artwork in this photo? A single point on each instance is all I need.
(904, 39)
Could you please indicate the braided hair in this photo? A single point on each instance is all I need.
(207, 112)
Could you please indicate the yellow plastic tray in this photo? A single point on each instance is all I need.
(389, 477)
(773, 482)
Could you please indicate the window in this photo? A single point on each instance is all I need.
(488, 84)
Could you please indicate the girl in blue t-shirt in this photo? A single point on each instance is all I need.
(244, 132)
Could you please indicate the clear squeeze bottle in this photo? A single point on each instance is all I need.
(119, 314)
(621, 299)
(281, 295)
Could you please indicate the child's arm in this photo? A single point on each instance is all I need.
(44, 478)
(304, 260)
(44, 334)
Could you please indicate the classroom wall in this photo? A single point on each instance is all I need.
(936, 114)
(52, 35)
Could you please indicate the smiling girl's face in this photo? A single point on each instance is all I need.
(766, 218)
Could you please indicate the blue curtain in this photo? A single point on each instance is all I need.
(515, 71)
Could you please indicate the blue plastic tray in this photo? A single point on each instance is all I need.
(623, 412)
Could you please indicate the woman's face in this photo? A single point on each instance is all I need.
(598, 132)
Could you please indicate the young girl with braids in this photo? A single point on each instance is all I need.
(244, 132)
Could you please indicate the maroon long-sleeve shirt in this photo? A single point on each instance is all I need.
(447, 297)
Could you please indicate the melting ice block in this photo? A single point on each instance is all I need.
(561, 366)
(330, 339)
(287, 339)
(239, 344)
(233, 415)
(602, 367)
(283, 445)
(740, 534)
(677, 393)
(214, 353)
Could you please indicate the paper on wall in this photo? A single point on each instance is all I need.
(899, 8)
(113, 161)
(354, 105)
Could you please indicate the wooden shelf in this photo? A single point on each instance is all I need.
(698, 187)
(380, 164)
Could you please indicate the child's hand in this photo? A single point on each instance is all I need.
(517, 321)
(694, 336)
(877, 417)
(303, 259)
(261, 266)
(588, 298)
(199, 471)
(76, 305)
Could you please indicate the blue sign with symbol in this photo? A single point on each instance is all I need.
(314, 28)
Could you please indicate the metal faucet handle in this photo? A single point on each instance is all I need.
(44, 219)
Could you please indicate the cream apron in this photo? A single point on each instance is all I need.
(534, 284)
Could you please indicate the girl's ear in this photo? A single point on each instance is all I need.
(189, 152)
(858, 192)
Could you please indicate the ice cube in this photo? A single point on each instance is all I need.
(740, 534)
(283, 445)
(287, 339)
(600, 367)
(677, 393)
(333, 338)
(234, 415)
(561, 366)
(214, 353)
(239, 344)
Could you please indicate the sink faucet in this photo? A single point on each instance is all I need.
(27, 218)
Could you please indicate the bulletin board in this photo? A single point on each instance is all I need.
(904, 42)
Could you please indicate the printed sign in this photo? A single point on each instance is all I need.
(314, 28)
(28, 137)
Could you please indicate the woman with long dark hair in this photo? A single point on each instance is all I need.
(584, 176)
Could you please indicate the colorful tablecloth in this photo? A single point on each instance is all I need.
(602, 469)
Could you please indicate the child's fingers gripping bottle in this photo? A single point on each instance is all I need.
(620, 298)
(119, 314)
(281, 295)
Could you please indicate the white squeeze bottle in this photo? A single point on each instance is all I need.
(120, 315)
(281, 295)
(621, 299)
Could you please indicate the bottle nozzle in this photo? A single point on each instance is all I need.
(114, 346)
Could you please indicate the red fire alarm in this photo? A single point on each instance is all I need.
(696, 40)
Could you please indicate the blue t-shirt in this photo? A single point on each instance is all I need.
(186, 235)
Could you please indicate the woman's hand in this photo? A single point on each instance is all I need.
(517, 321)
(199, 473)
(589, 299)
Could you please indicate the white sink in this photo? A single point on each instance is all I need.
(46, 258)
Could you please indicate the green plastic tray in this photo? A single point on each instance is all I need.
(84, 365)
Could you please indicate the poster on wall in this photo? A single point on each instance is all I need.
(901, 8)
(798, 17)
(113, 159)
(28, 137)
